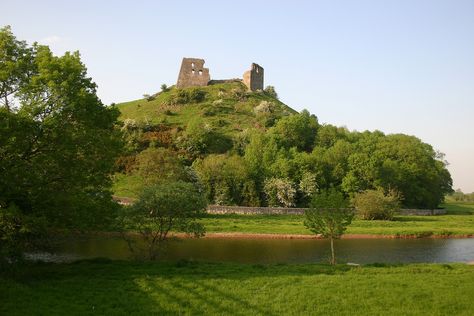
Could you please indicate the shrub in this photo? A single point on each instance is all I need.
(164, 88)
(264, 107)
(149, 97)
(197, 95)
(375, 204)
(270, 90)
(280, 192)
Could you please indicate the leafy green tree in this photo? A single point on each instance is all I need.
(375, 204)
(168, 206)
(16, 66)
(226, 180)
(297, 130)
(58, 145)
(159, 164)
(329, 216)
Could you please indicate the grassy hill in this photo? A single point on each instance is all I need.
(226, 110)
(227, 106)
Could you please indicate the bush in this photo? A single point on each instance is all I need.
(164, 88)
(280, 192)
(270, 90)
(375, 204)
(149, 97)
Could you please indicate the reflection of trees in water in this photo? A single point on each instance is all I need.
(285, 250)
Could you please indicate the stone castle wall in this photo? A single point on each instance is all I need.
(253, 78)
(193, 73)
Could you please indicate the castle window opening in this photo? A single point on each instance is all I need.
(200, 72)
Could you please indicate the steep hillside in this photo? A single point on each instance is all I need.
(227, 106)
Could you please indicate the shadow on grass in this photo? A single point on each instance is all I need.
(110, 287)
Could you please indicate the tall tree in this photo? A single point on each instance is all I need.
(58, 146)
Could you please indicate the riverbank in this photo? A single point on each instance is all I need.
(189, 288)
(457, 223)
(307, 236)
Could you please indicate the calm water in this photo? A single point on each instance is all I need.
(275, 250)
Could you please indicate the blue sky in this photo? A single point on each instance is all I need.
(396, 66)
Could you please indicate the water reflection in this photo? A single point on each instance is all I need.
(276, 250)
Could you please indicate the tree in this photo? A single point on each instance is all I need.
(375, 204)
(280, 192)
(155, 165)
(16, 66)
(58, 145)
(329, 216)
(297, 130)
(161, 208)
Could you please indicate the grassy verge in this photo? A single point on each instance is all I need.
(458, 221)
(119, 288)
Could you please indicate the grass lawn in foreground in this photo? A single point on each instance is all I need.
(187, 288)
(458, 221)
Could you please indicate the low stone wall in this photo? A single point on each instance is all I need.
(222, 209)
(245, 210)
(422, 212)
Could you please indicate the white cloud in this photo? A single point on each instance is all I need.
(54, 39)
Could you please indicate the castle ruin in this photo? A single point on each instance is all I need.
(253, 78)
(193, 74)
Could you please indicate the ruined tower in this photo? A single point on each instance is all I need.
(192, 73)
(253, 78)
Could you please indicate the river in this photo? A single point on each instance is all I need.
(265, 251)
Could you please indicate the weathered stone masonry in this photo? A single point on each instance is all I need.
(193, 74)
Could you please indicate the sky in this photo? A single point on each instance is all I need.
(398, 66)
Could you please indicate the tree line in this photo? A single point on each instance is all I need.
(297, 157)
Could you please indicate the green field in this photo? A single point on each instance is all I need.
(186, 288)
(458, 221)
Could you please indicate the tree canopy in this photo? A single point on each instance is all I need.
(58, 142)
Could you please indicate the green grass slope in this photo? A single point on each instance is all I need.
(228, 106)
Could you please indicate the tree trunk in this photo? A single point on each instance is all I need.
(333, 256)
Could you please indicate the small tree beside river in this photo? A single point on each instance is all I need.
(160, 209)
(329, 215)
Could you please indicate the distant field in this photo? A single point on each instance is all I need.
(458, 221)
(184, 288)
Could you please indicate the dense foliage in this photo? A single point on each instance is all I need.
(286, 160)
(58, 143)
